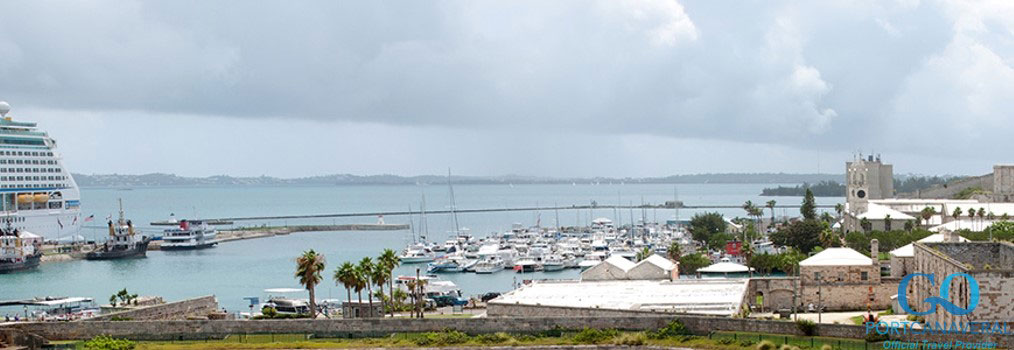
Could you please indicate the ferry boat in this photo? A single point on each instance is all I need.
(123, 242)
(191, 234)
(19, 250)
(36, 192)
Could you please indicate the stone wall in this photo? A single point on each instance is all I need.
(989, 263)
(180, 330)
(178, 310)
(834, 296)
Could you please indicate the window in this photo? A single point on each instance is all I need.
(864, 276)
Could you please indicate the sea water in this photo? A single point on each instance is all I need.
(238, 269)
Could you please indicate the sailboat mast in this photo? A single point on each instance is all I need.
(425, 224)
(411, 223)
(454, 212)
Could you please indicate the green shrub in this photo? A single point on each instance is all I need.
(103, 342)
(447, 337)
(524, 337)
(495, 338)
(746, 343)
(809, 328)
(874, 337)
(594, 336)
(671, 330)
(765, 345)
(826, 347)
(725, 341)
(554, 332)
(631, 339)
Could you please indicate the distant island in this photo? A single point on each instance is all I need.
(902, 184)
(160, 179)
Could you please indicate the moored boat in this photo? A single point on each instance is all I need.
(123, 242)
(19, 250)
(191, 234)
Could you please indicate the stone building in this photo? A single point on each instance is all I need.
(1003, 183)
(865, 179)
(991, 264)
(839, 279)
(903, 259)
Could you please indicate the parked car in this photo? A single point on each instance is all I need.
(449, 300)
(489, 296)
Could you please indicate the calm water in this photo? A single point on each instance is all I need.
(234, 270)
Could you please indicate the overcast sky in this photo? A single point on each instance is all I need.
(559, 88)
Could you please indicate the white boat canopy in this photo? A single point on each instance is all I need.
(725, 267)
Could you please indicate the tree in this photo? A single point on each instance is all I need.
(828, 237)
(747, 251)
(927, 213)
(771, 207)
(691, 262)
(887, 222)
(644, 254)
(840, 209)
(308, 270)
(346, 276)
(826, 217)
(956, 213)
(910, 224)
(390, 260)
(809, 207)
(790, 261)
(675, 251)
(802, 235)
(366, 274)
(981, 214)
(704, 227)
(764, 263)
(866, 225)
(379, 279)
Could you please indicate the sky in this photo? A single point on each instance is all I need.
(553, 88)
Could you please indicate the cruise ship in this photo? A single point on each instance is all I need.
(38, 194)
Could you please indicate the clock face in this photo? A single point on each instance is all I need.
(861, 193)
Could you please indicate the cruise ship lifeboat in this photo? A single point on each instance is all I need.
(41, 198)
(25, 198)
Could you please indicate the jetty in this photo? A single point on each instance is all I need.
(271, 231)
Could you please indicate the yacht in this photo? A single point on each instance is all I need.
(123, 242)
(192, 234)
(489, 265)
(19, 250)
(417, 254)
(553, 263)
(37, 194)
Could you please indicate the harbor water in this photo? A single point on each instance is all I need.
(239, 269)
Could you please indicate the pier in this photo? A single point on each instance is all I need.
(467, 211)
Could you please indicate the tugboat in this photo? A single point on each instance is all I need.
(123, 242)
(18, 252)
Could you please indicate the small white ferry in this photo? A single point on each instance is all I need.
(190, 234)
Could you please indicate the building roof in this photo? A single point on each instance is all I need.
(880, 212)
(909, 250)
(708, 297)
(963, 224)
(659, 261)
(725, 267)
(837, 257)
(619, 262)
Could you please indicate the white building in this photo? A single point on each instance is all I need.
(618, 268)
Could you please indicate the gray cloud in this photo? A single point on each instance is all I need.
(837, 76)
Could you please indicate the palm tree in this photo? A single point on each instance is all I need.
(390, 260)
(981, 214)
(379, 276)
(675, 251)
(366, 275)
(346, 275)
(644, 254)
(308, 270)
(827, 237)
(956, 213)
(747, 251)
(927, 213)
(839, 208)
(971, 216)
(771, 207)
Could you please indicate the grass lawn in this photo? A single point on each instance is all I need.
(715, 341)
